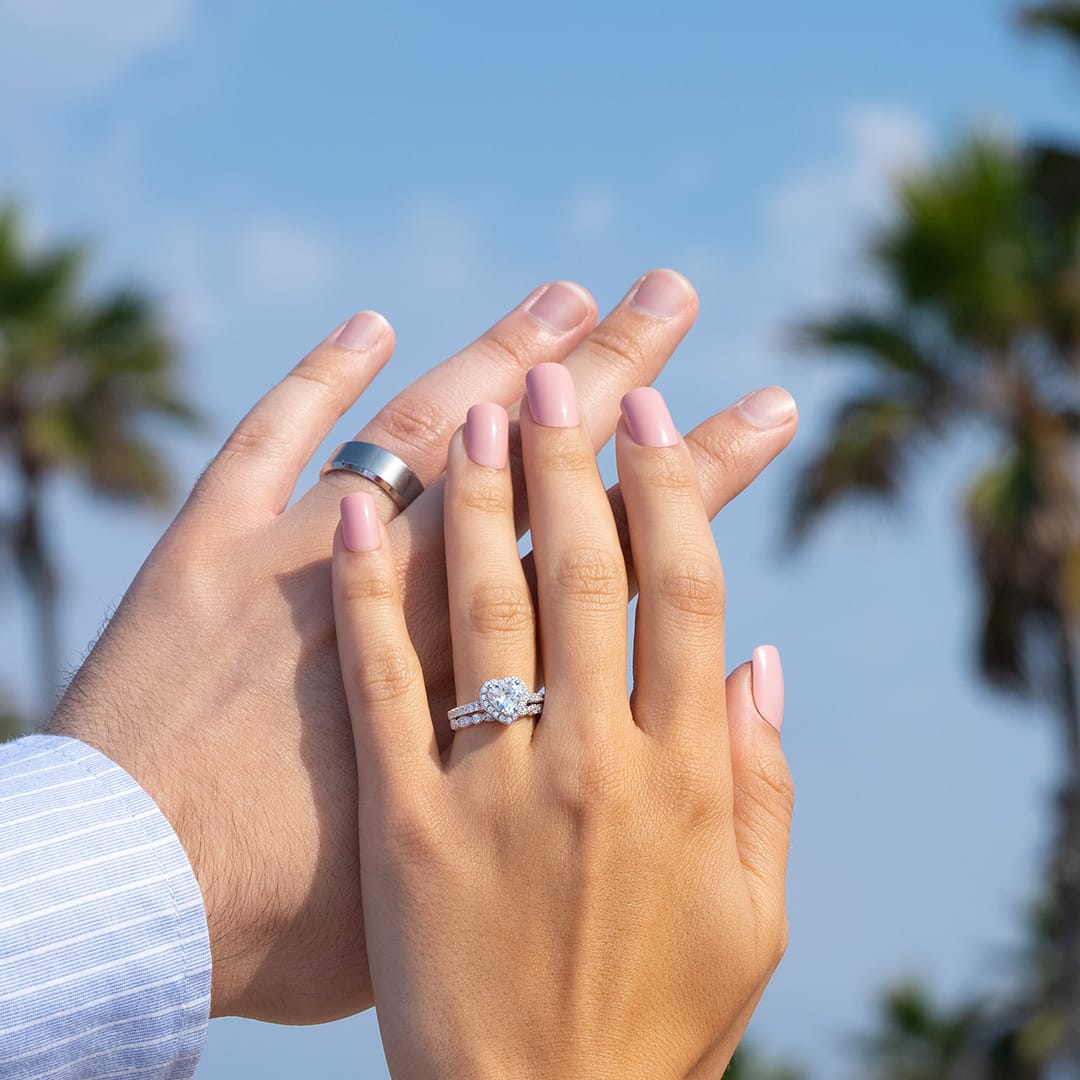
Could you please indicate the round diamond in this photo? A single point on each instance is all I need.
(504, 699)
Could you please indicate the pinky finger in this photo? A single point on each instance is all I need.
(763, 791)
(384, 684)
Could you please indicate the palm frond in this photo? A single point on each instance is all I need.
(863, 455)
(880, 338)
(1061, 17)
(1022, 529)
(963, 247)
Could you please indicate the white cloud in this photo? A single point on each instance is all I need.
(280, 259)
(57, 50)
(816, 221)
(807, 256)
(438, 246)
(591, 212)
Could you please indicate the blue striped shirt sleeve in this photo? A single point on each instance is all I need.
(104, 950)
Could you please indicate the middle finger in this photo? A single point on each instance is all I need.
(581, 576)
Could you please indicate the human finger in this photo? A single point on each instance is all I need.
(729, 450)
(679, 624)
(581, 579)
(384, 683)
(416, 425)
(628, 348)
(257, 468)
(492, 628)
(763, 790)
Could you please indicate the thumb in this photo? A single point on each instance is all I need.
(764, 795)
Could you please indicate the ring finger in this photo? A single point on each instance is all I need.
(492, 628)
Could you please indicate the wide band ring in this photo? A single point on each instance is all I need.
(501, 700)
(379, 466)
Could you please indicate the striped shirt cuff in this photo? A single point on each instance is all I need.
(104, 949)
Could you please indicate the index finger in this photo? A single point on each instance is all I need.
(384, 684)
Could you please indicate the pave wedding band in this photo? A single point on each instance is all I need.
(379, 466)
(502, 700)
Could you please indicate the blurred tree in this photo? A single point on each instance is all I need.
(1061, 18)
(78, 379)
(981, 326)
(747, 1065)
(10, 725)
(917, 1039)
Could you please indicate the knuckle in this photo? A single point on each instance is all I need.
(504, 349)
(324, 379)
(592, 577)
(480, 496)
(388, 676)
(782, 939)
(770, 942)
(692, 587)
(772, 789)
(620, 348)
(250, 437)
(500, 609)
(563, 452)
(671, 475)
(377, 585)
(690, 783)
(594, 781)
(417, 422)
(720, 452)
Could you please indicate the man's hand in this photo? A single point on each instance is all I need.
(217, 683)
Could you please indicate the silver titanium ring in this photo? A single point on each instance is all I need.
(502, 700)
(379, 466)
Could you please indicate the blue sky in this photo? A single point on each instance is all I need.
(267, 168)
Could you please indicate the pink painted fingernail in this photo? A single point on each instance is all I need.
(662, 294)
(767, 408)
(359, 522)
(560, 307)
(647, 418)
(487, 430)
(768, 684)
(552, 400)
(363, 331)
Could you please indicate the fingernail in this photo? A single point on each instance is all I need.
(647, 418)
(552, 400)
(363, 331)
(768, 684)
(560, 307)
(662, 294)
(487, 430)
(767, 408)
(359, 522)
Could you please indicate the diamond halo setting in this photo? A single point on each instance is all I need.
(502, 700)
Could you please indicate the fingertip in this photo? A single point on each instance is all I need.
(360, 526)
(363, 332)
(767, 684)
(769, 408)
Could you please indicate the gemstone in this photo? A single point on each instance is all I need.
(504, 699)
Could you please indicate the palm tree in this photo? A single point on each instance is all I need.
(78, 379)
(1061, 18)
(981, 327)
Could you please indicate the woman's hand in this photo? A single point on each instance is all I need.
(601, 892)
